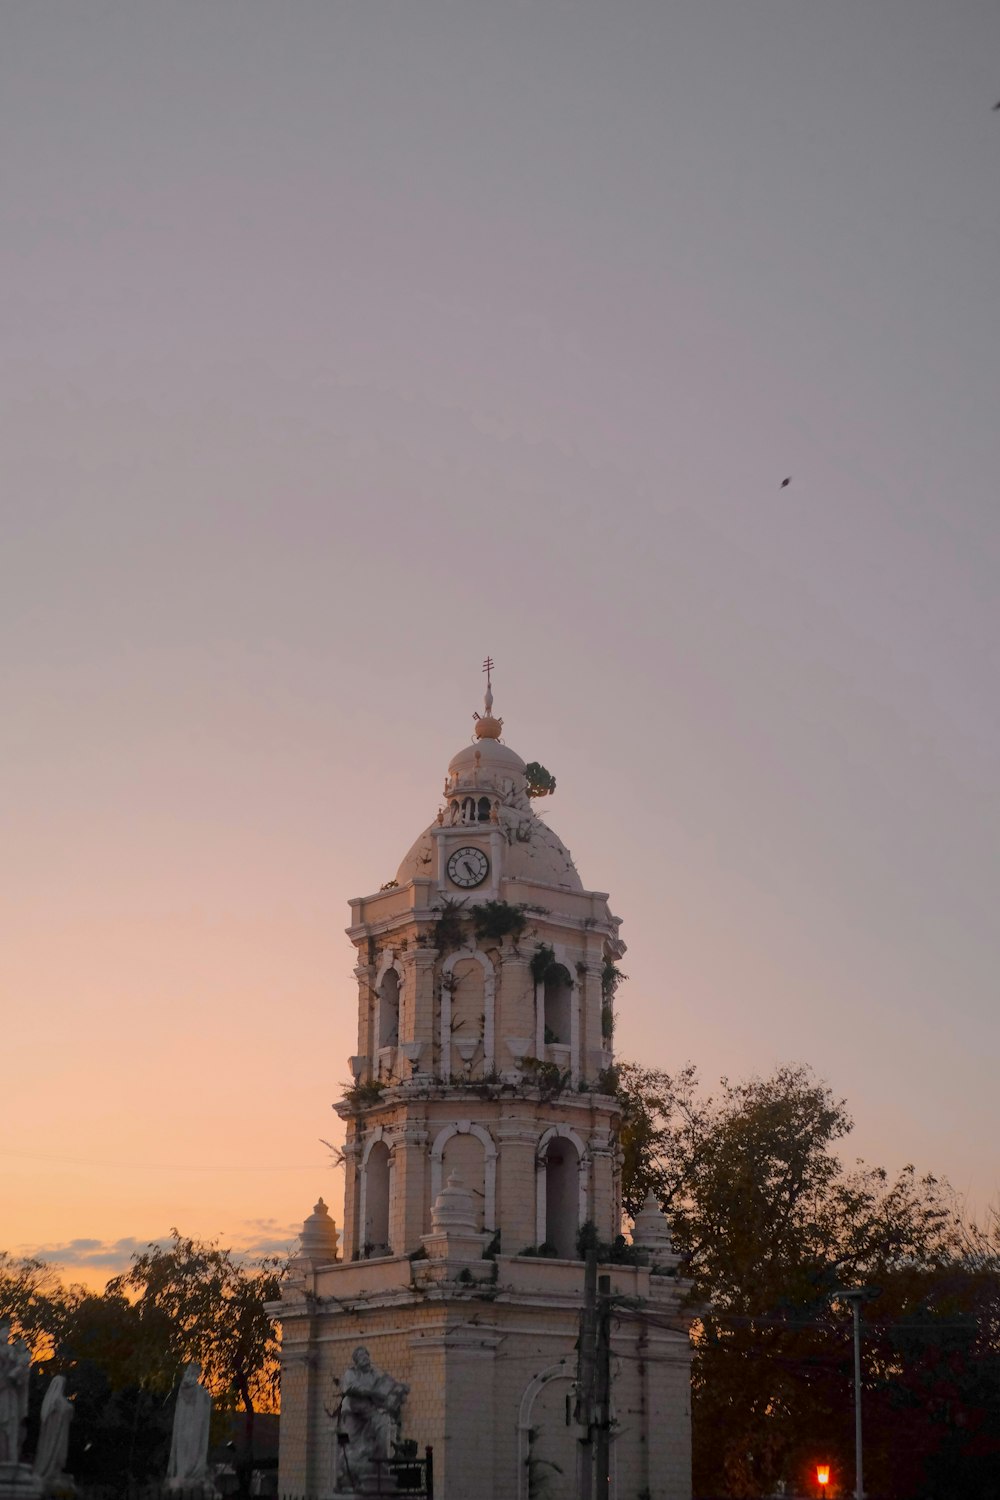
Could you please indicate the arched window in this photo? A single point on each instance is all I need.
(376, 1228)
(469, 810)
(388, 1009)
(562, 1197)
(484, 809)
(558, 1004)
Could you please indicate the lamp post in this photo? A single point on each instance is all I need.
(855, 1296)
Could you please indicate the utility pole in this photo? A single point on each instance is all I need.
(855, 1296)
(593, 1381)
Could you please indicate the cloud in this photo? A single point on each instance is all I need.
(255, 1237)
(266, 1237)
(94, 1255)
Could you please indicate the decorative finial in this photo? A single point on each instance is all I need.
(487, 727)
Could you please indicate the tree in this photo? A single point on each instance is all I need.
(120, 1369)
(35, 1302)
(541, 783)
(122, 1350)
(209, 1306)
(769, 1224)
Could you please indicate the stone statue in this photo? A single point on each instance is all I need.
(53, 1436)
(15, 1367)
(189, 1444)
(371, 1404)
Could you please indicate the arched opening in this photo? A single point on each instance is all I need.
(484, 809)
(466, 1155)
(469, 810)
(376, 1235)
(388, 1009)
(558, 1004)
(562, 1197)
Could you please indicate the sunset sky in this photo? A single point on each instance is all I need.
(343, 343)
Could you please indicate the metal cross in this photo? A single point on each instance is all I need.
(488, 668)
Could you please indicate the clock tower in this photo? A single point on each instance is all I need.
(481, 1144)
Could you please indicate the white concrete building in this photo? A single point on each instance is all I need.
(486, 978)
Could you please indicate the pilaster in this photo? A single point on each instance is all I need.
(604, 1209)
(420, 964)
(592, 1043)
(408, 1145)
(365, 974)
(352, 1166)
(517, 1140)
(515, 1008)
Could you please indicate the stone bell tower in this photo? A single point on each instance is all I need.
(482, 1136)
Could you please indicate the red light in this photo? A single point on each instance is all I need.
(822, 1473)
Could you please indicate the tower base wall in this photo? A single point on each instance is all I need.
(489, 1352)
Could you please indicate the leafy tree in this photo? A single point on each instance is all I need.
(770, 1224)
(122, 1350)
(35, 1302)
(209, 1306)
(541, 783)
(116, 1355)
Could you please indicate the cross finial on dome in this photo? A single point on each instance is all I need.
(488, 728)
(488, 699)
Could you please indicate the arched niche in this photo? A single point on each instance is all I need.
(455, 1005)
(561, 1177)
(375, 1198)
(544, 1434)
(388, 1002)
(557, 1006)
(472, 1150)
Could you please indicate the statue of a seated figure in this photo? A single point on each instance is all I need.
(371, 1404)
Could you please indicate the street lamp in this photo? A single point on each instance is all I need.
(855, 1296)
(823, 1476)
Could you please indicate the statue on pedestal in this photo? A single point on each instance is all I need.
(16, 1479)
(53, 1437)
(371, 1404)
(188, 1465)
(15, 1367)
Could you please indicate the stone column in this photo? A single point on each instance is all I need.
(514, 1005)
(367, 1041)
(604, 1208)
(517, 1142)
(592, 1044)
(352, 1165)
(409, 1206)
(470, 1411)
(418, 1025)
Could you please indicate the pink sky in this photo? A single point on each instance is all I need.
(344, 344)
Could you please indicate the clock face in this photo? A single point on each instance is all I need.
(468, 867)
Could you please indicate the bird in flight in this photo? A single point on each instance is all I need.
(785, 482)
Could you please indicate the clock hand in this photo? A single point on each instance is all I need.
(468, 867)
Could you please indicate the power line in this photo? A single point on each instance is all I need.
(160, 1166)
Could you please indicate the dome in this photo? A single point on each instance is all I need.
(488, 763)
(491, 773)
(533, 853)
